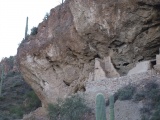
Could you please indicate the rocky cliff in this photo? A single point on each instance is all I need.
(9, 65)
(58, 60)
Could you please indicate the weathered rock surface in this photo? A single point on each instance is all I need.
(60, 58)
(38, 114)
(141, 67)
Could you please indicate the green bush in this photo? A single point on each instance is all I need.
(144, 117)
(10, 61)
(139, 96)
(33, 101)
(10, 74)
(72, 108)
(126, 92)
(2, 98)
(17, 111)
(150, 92)
(150, 95)
(151, 85)
(34, 31)
(46, 16)
(154, 95)
(156, 114)
(54, 110)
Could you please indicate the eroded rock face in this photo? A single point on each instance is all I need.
(57, 60)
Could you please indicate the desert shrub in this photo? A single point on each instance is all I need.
(125, 93)
(46, 16)
(139, 96)
(154, 95)
(54, 110)
(151, 85)
(156, 114)
(4, 117)
(33, 101)
(144, 117)
(17, 111)
(72, 108)
(146, 109)
(150, 95)
(10, 74)
(152, 92)
(34, 31)
(2, 98)
(10, 61)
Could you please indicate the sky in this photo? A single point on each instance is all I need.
(13, 15)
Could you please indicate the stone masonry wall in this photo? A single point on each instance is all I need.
(109, 86)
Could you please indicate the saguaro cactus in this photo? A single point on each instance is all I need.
(2, 74)
(26, 29)
(111, 106)
(100, 107)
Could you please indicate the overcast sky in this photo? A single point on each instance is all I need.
(13, 15)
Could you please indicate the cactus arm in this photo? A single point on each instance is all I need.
(100, 107)
(111, 106)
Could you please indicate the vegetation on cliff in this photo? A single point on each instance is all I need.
(17, 97)
(72, 108)
(146, 95)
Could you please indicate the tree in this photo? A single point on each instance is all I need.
(34, 31)
(46, 16)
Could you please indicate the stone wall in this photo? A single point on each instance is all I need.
(101, 82)
(108, 86)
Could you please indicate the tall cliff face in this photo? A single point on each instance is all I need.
(57, 60)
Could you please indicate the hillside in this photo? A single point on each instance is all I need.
(90, 47)
(17, 98)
